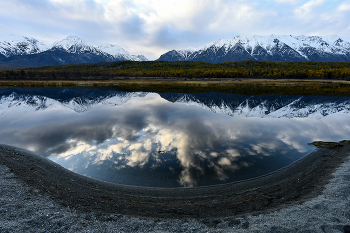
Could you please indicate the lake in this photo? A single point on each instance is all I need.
(168, 139)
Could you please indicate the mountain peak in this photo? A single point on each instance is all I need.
(114, 50)
(11, 45)
(71, 43)
(72, 37)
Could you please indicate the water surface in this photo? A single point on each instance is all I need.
(168, 140)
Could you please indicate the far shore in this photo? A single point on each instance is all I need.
(263, 86)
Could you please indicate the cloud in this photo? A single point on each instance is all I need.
(152, 27)
(308, 8)
(288, 1)
(344, 7)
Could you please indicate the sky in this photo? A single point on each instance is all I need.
(153, 27)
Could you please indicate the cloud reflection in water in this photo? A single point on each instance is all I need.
(151, 142)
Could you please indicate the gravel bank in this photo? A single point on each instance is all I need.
(29, 208)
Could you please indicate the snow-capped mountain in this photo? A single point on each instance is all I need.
(267, 48)
(117, 52)
(81, 100)
(73, 44)
(12, 45)
(27, 52)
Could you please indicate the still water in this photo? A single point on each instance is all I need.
(168, 140)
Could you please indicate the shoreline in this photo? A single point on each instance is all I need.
(250, 86)
(301, 181)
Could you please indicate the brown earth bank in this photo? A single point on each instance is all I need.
(170, 80)
(307, 87)
(292, 185)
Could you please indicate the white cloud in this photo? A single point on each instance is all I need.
(224, 162)
(306, 9)
(152, 27)
(344, 7)
(288, 1)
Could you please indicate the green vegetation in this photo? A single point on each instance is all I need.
(235, 86)
(244, 69)
(245, 78)
(329, 145)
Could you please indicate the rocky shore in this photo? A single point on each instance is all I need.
(311, 195)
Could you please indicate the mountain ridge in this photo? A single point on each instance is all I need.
(29, 52)
(276, 48)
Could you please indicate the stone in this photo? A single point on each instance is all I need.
(346, 229)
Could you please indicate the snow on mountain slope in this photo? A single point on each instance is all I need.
(295, 42)
(12, 45)
(119, 53)
(74, 44)
(139, 58)
(115, 51)
(270, 48)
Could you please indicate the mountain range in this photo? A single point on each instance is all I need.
(267, 48)
(21, 51)
(81, 100)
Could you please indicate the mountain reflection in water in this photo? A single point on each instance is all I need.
(142, 139)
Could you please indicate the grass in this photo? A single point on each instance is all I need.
(236, 86)
(329, 145)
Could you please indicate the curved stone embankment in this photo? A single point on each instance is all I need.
(300, 181)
